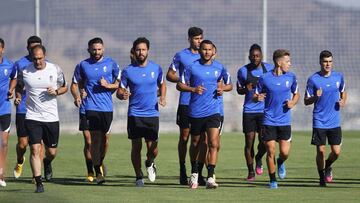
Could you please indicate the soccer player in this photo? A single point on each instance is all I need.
(23, 139)
(43, 82)
(83, 125)
(181, 60)
(99, 76)
(253, 112)
(326, 90)
(203, 79)
(8, 76)
(279, 89)
(144, 78)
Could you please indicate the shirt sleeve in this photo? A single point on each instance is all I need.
(123, 79)
(342, 84)
(226, 76)
(260, 86)
(160, 78)
(116, 72)
(310, 88)
(185, 77)
(294, 86)
(241, 80)
(61, 82)
(175, 64)
(76, 75)
(13, 74)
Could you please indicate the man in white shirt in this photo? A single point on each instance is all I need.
(43, 82)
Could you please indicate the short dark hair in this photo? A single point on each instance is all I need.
(206, 41)
(325, 54)
(39, 46)
(96, 40)
(140, 40)
(2, 42)
(280, 53)
(194, 31)
(33, 39)
(254, 47)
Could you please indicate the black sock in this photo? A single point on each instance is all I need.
(200, 168)
(47, 161)
(272, 177)
(211, 170)
(38, 180)
(328, 163)
(194, 167)
(97, 170)
(21, 160)
(89, 166)
(280, 161)
(182, 166)
(258, 160)
(250, 168)
(321, 174)
(149, 162)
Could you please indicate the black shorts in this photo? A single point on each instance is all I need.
(83, 125)
(143, 127)
(252, 122)
(5, 122)
(182, 118)
(334, 136)
(20, 125)
(221, 124)
(99, 120)
(276, 133)
(199, 125)
(48, 132)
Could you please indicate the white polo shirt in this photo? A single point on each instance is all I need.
(40, 105)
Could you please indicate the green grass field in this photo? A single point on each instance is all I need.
(301, 184)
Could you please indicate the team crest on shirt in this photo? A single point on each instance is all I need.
(337, 84)
(104, 68)
(5, 72)
(152, 74)
(287, 84)
(216, 73)
(51, 78)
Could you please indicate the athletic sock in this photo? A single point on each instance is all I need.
(321, 174)
(280, 161)
(46, 161)
(38, 180)
(149, 162)
(250, 168)
(200, 168)
(182, 166)
(328, 163)
(20, 160)
(211, 169)
(89, 166)
(194, 167)
(97, 170)
(272, 177)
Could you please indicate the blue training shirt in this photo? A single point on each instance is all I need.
(227, 81)
(326, 113)
(7, 73)
(249, 105)
(74, 80)
(196, 74)
(98, 98)
(143, 83)
(180, 61)
(278, 90)
(20, 66)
